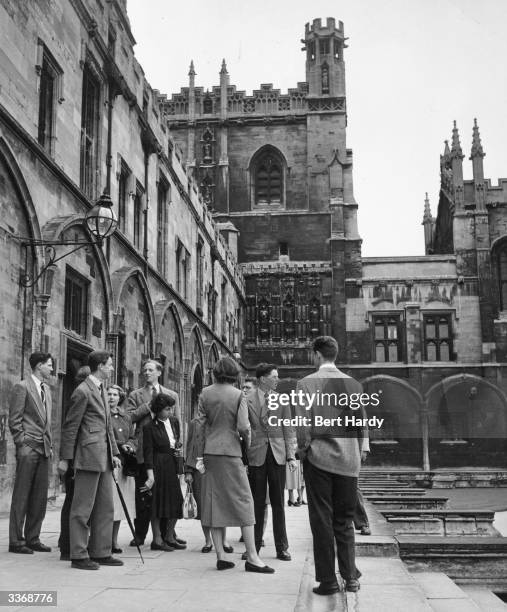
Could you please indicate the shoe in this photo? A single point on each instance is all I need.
(206, 549)
(21, 549)
(107, 560)
(283, 555)
(228, 549)
(241, 539)
(84, 564)
(175, 545)
(116, 551)
(296, 504)
(223, 565)
(365, 530)
(301, 502)
(65, 556)
(250, 567)
(290, 503)
(326, 588)
(136, 542)
(352, 586)
(180, 541)
(244, 556)
(164, 546)
(39, 547)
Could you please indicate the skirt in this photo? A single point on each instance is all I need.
(128, 489)
(226, 498)
(167, 497)
(294, 480)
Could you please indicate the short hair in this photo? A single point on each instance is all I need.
(326, 346)
(95, 358)
(226, 370)
(264, 369)
(156, 363)
(249, 379)
(38, 357)
(161, 401)
(82, 373)
(121, 392)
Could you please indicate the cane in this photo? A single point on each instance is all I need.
(129, 520)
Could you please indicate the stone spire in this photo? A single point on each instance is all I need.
(477, 157)
(429, 225)
(223, 70)
(191, 71)
(477, 150)
(427, 217)
(457, 168)
(456, 146)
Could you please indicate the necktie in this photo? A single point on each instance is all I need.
(154, 392)
(43, 399)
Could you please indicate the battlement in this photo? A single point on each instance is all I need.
(330, 28)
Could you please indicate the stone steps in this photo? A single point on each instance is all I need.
(441, 522)
(442, 593)
(367, 491)
(405, 502)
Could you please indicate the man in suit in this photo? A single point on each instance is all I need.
(271, 448)
(30, 425)
(140, 413)
(331, 458)
(88, 440)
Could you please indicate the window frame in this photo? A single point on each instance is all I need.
(270, 202)
(386, 341)
(47, 66)
(90, 131)
(437, 314)
(76, 279)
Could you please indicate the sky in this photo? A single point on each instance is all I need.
(412, 67)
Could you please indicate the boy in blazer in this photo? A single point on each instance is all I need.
(271, 448)
(88, 440)
(30, 425)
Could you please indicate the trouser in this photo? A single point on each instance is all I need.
(259, 477)
(360, 516)
(332, 501)
(29, 496)
(64, 539)
(92, 512)
(143, 505)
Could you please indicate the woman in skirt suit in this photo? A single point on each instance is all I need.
(226, 499)
(160, 440)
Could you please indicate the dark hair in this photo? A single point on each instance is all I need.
(156, 363)
(82, 373)
(264, 369)
(326, 346)
(95, 358)
(249, 379)
(121, 393)
(226, 370)
(36, 358)
(161, 401)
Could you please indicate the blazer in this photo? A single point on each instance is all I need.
(192, 449)
(28, 421)
(222, 417)
(280, 438)
(327, 447)
(139, 409)
(156, 440)
(87, 433)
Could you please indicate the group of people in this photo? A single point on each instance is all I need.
(236, 460)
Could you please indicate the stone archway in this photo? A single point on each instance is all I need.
(213, 357)
(169, 344)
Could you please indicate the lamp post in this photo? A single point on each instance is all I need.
(100, 221)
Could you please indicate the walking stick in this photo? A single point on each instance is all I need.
(129, 520)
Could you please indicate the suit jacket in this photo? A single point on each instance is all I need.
(29, 423)
(331, 448)
(281, 438)
(222, 417)
(139, 409)
(156, 440)
(87, 433)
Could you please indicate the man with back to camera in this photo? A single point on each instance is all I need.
(88, 440)
(331, 458)
(271, 448)
(30, 425)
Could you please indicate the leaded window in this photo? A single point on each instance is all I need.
(76, 303)
(437, 337)
(387, 338)
(89, 131)
(268, 180)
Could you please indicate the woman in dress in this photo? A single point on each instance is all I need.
(123, 429)
(226, 498)
(160, 441)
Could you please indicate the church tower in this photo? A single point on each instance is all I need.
(325, 69)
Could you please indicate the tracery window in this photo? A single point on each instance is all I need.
(268, 179)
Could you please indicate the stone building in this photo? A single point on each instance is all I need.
(77, 117)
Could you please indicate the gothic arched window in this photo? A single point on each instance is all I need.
(268, 178)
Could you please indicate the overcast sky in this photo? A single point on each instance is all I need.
(412, 67)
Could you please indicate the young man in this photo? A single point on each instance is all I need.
(331, 457)
(88, 440)
(271, 448)
(139, 410)
(30, 425)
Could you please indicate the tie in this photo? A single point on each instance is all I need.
(154, 392)
(43, 398)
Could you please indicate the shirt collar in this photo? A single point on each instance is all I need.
(37, 381)
(96, 381)
(328, 366)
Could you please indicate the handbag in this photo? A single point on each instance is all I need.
(244, 450)
(189, 504)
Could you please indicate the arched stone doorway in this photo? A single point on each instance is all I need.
(467, 418)
(169, 345)
(195, 360)
(195, 389)
(213, 357)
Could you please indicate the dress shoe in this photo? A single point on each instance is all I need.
(180, 541)
(206, 549)
(224, 565)
(164, 546)
(107, 560)
(84, 564)
(326, 588)
(21, 549)
(365, 530)
(136, 542)
(283, 555)
(64, 556)
(116, 551)
(228, 549)
(290, 503)
(250, 567)
(39, 547)
(244, 556)
(352, 586)
(175, 545)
